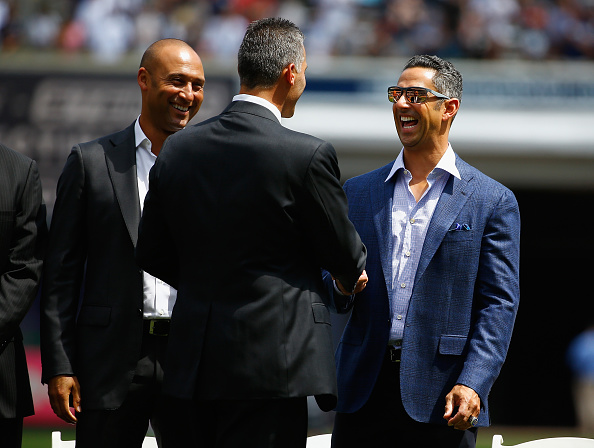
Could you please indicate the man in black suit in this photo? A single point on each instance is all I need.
(108, 358)
(240, 216)
(22, 233)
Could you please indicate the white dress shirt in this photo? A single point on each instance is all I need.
(159, 297)
(261, 101)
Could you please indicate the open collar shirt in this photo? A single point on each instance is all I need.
(158, 296)
(410, 221)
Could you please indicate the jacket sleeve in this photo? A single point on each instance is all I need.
(496, 297)
(335, 241)
(21, 274)
(64, 271)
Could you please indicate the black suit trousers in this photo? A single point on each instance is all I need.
(127, 426)
(254, 423)
(11, 430)
(383, 421)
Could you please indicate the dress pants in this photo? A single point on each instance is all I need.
(11, 432)
(127, 425)
(383, 421)
(258, 423)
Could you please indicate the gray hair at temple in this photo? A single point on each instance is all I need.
(269, 45)
(447, 78)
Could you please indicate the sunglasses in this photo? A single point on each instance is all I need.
(414, 95)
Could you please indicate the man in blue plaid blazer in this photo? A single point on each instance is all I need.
(430, 331)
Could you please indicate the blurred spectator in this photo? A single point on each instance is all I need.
(484, 29)
(580, 357)
(487, 27)
(4, 17)
(43, 27)
(9, 25)
(109, 26)
(332, 20)
(223, 31)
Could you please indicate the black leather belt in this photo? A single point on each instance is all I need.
(157, 327)
(393, 353)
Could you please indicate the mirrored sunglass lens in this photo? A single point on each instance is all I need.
(394, 95)
(416, 95)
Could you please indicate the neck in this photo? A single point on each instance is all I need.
(273, 95)
(421, 163)
(157, 138)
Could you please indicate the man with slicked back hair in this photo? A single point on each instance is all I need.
(241, 215)
(428, 335)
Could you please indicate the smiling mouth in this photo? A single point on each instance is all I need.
(408, 122)
(180, 108)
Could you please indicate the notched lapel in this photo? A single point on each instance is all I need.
(121, 165)
(452, 200)
(382, 195)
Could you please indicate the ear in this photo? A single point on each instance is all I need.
(289, 73)
(451, 108)
(143, 78)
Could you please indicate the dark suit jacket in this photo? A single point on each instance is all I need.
(240, 216)
(90, 265)
(464, 300)
(22, 235)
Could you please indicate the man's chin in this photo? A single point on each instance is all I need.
(177, 126)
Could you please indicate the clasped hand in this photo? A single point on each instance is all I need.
(359, 286)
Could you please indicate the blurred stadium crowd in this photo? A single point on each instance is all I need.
(481, 29)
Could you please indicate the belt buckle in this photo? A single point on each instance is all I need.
(395, 354)
(154, 327)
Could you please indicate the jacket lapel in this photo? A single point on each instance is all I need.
(452, 200)
(121, 165)
(381, 206)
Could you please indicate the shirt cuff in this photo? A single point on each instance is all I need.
(339, 291)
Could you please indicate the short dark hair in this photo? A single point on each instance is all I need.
(447, 79)
(269, 45)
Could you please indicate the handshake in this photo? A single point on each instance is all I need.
(359, 286)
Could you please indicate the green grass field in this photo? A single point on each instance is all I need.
(41, 437)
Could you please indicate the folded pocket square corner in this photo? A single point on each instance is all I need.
(459, 227)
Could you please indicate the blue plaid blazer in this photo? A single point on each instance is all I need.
(464, 301)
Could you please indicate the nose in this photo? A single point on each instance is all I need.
(186, 91)
(401, 101)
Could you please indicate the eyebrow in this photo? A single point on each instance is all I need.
(183, 75)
